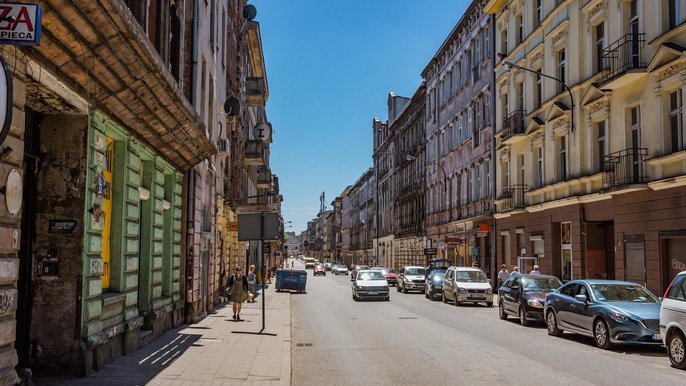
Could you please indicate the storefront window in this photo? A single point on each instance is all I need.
(566, 242)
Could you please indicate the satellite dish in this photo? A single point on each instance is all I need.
(232, 106)
(262, 132)
(249, 12)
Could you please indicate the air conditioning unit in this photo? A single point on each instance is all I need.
(223, 146)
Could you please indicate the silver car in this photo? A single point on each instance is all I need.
(339, 269)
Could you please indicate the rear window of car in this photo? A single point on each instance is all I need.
(372, 275)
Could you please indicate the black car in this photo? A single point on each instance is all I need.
(434, 285)
(523, 296)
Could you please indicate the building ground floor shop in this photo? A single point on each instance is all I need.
(638, 236)
(464, 243)
(408, 251)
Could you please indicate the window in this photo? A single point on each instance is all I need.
(503, 42)
(487, 47)
(487, 180)
(521, 168)
(486, 109)
(519, 22)
(539, 167)
(676, 126)
(520, 96)
(600, 146)
(477, 186)
(477, 55)
(568, 290)
(674, 10)
(599, 43)
(539, 88)
(539, 12)
(505, 172)
(563, 158)
(562, 67)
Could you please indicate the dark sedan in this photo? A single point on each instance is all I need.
(434, 285)
(610, 311)
(523, 296)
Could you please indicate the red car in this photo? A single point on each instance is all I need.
(319, 269)
(390, 274)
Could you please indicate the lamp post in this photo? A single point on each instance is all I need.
(509, 65)
(410, 157)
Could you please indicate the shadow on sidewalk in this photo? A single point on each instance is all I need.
(137, 368)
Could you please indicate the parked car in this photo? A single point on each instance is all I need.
(466, 284)
(356, 268)
(319, 270)
(340, 269)
(390, 274)
(328, 266)
(434, 284)
(610, 311)
(369, 283)
(523, 296)
(437, 264)
(411, 278)
(673, 321)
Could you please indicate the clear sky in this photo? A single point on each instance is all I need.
(330, 66)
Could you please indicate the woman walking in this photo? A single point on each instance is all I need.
(239, 294)
(251, 282)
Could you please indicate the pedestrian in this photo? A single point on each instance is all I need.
(238, 285)
(251, 281)
(502, 275)
(515, 270)
(536, 271)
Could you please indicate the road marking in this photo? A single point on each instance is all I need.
(165, 346)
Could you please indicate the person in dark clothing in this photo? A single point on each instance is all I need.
(238, 284)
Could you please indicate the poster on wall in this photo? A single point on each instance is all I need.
(566, 233)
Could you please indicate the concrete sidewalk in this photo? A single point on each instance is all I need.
(212, 352)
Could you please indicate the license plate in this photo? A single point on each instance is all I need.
(477, 297)
(372, 293)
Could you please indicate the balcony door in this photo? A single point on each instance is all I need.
(634, 53)
(635, 143)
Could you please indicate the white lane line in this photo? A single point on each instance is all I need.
(165, 346)
(170, 350)
(170, 359)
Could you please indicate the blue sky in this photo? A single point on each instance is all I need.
(330, 67)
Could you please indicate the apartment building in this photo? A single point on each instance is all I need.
(589, 128)
(362, 219)
(459, 142)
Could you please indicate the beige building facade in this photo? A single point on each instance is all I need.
(589, 127)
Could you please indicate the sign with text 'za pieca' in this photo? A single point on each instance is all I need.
(20, 24)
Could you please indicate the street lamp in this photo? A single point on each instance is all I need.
(410, 157)
(509, 65)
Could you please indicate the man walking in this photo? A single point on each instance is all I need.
(502, 275)
(535, 271)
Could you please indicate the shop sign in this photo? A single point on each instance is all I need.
(430, 251)
(483, 228)
(7, 96)
(20, 24)
(453, 240)
(233, 227)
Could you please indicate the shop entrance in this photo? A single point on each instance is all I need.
(526, 263)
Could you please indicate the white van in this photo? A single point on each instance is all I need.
(673, 321)
(466, 284)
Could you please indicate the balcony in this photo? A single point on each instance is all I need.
(254, 153)
(625, 167)
(255, 92)
(513, 198)
(623, 61)
(264, 177)
(513, 126)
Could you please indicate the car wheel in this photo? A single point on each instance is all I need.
(601, 333)
(523, 320)
(388, 298)
(404, 290)
(443, 298)
(455, 302)
(501, 311)
(551, 324)
(676, 350)
(427, 294)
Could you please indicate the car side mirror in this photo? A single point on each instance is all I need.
(581, 298)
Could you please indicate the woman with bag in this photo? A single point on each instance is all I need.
(251, 282)
(238, 286)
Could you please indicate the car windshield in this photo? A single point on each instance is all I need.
(540, 284)
(415, 271)
(438, 275)
(470, 277)
(622, 293)
(342, 267)
(373, 275)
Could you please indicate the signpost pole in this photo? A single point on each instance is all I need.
(264, 298)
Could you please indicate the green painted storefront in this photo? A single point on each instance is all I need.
(143, 299)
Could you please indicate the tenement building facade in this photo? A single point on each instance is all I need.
(459, 143)
(590, 138)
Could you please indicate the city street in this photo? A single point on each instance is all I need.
(411, 340)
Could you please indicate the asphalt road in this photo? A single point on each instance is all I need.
(413, 341)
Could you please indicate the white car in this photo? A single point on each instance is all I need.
(339, 269)
(466, 284)
(370, 284)
(411, 278)
(673, 321)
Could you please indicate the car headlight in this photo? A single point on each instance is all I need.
(357, 287)
(461, 290)
(534, 303)
(617, 317)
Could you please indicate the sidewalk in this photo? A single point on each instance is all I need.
(210, 352)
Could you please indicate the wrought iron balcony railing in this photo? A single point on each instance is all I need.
(625, 167)
(512, 197)
(513, 124)
(623, 55)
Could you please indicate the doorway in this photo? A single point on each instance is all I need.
(526, 263)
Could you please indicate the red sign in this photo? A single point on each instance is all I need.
(453, 240)
(483, 228)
